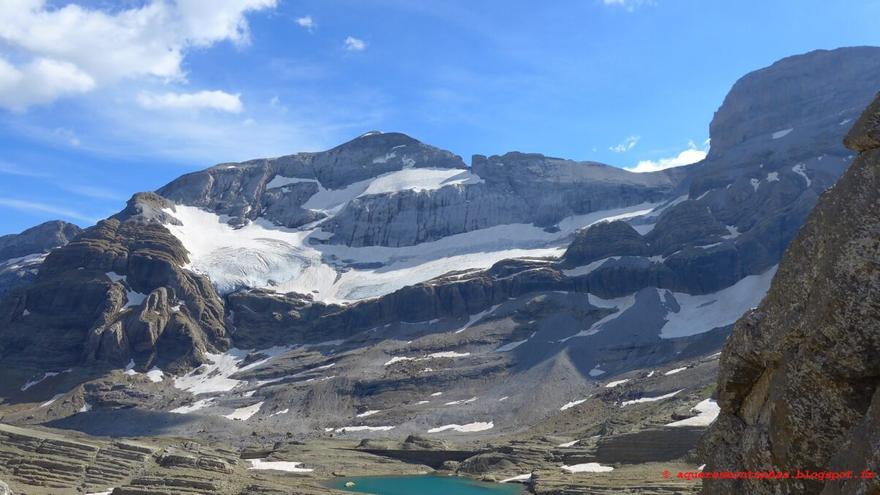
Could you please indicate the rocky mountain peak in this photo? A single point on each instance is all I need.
(38, 239)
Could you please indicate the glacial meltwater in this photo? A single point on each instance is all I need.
(424, 485)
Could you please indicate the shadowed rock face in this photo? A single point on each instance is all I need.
(798, 384)
(602, 241)
(115, 293)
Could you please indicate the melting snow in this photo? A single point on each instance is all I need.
(290, 467)
(347, 429)
(86, 407)
(782, 133)
(244, 413)
(588, 268)
(621, 303)
(589, 467)
(801, 170)
(773, 177)
(470, 427)
(755, 183)
(195, 406)
(420, 179)
(707, 411)
(459, 402)
(649, 399)
(522, 478)
(214, 377)
(511, 346)
(368, 413)
(596, 372)
(477, 317)
(569, 444)
(700, 313)
(281, 181)
(616, 383)
(283, 411)
(132, 298)
(676, 370)
(732, 232)
(444, 354)
(572, 404)
(46, 375)
(53, 399)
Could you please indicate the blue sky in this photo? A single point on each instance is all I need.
(100, 99)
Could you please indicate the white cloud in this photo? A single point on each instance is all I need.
(40, 81)
(75, 49)
(353, 44)
(629, 5)
(36, 207)
(306, 22)
(213, 100)
(627, 144)
(691, 155)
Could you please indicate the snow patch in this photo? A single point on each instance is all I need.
(572, 404)
(676, 370)
(782, 133)
(732, 232)
(477, 317)
(706, 410)
(48, 374)
(596, 372)
(616, 383)
(368, 413)
(801, 170)
(589, 467)
(649, 399)
(522, 478)
(52, 400)
(195, 406)
(773, 177)
(444, 354)
(701, 313)
(420, 179)
(347, 429)
(290, 467)
(468, 428)
(281, 181)
(244, 413)
(511, 346)
(569, 444)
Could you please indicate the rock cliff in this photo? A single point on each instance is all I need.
(798, 383)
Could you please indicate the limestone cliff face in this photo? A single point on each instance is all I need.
(798, 384)
(115, 293)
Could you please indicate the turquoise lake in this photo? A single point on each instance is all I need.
(425, 485)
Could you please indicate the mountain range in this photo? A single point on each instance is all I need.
(522, 309)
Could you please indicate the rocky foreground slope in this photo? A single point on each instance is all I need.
(798, 384)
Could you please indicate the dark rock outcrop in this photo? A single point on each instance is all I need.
(602, 241)
(798, 385)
